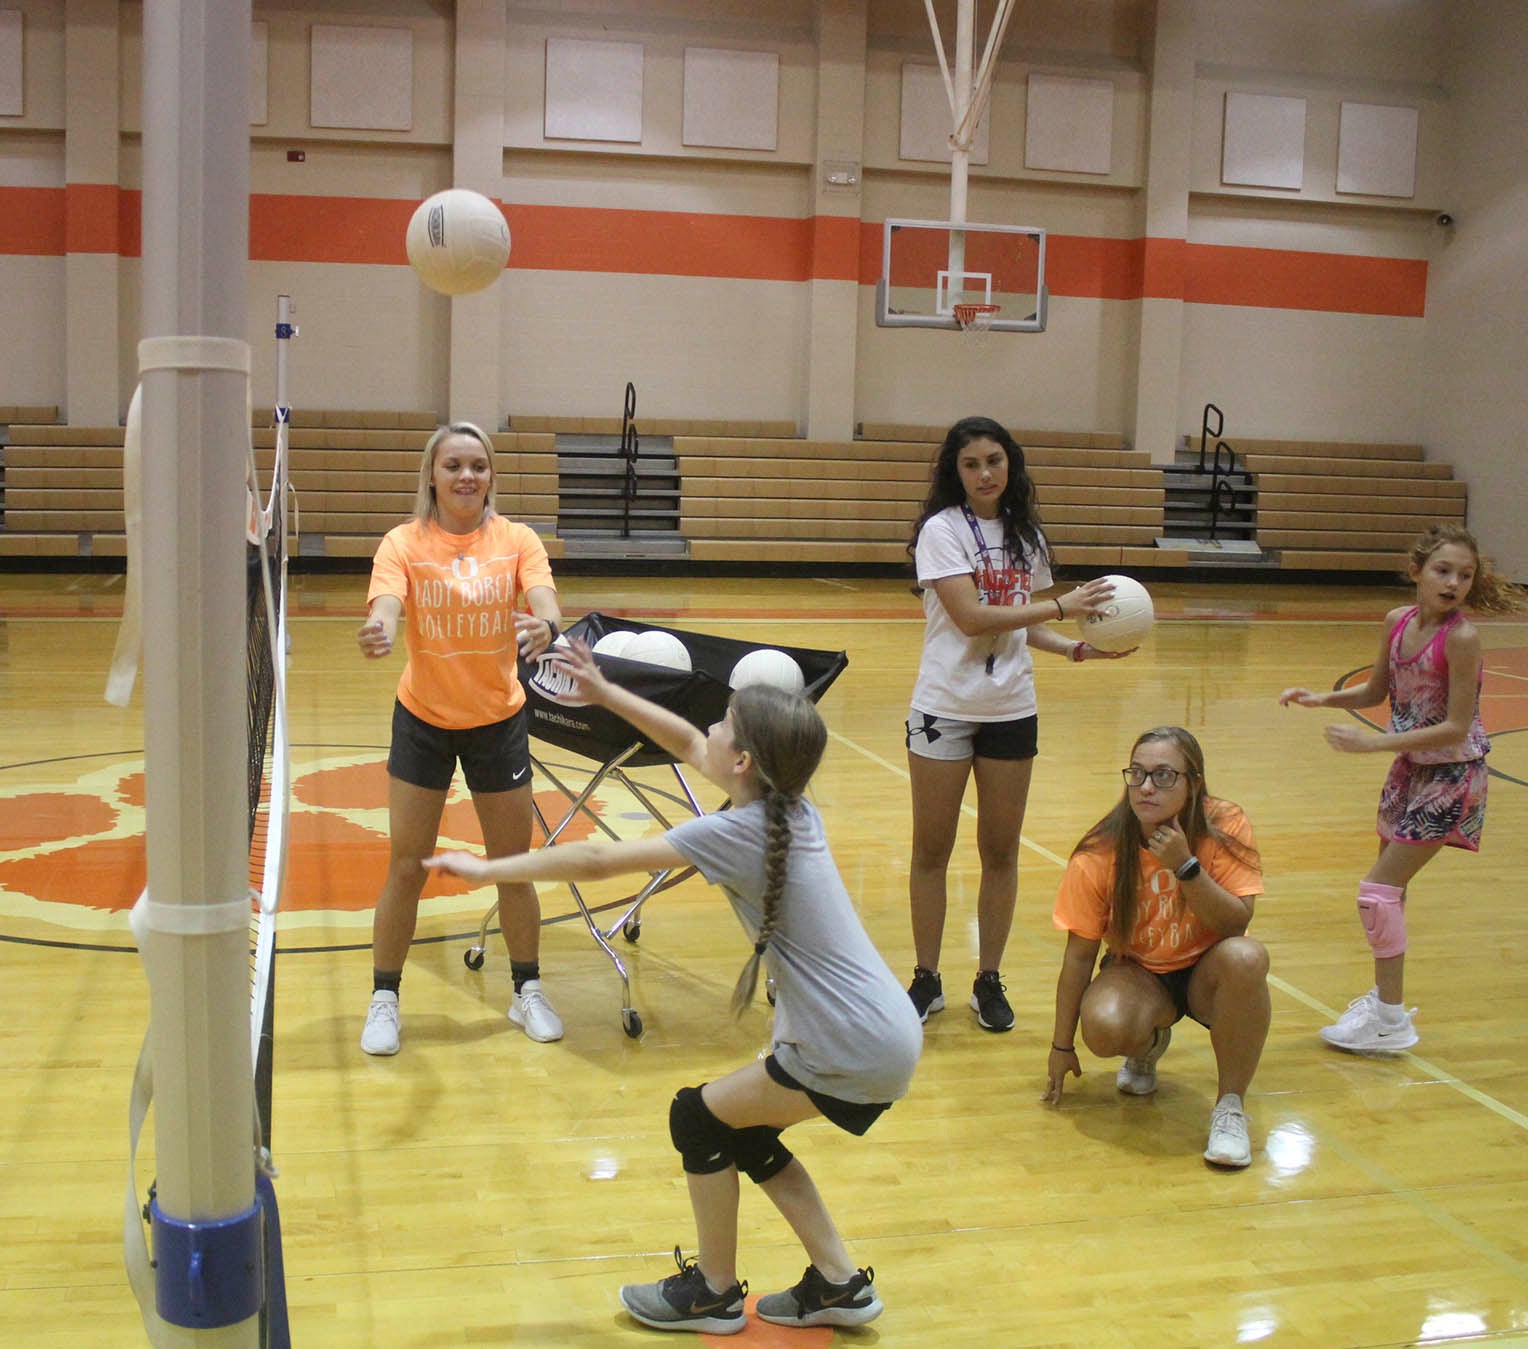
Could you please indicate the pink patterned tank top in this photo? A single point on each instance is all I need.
(1419, 695)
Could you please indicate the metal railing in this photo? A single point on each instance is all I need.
(631, 446)
(1222, 491)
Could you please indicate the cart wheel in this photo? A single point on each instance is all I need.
(472, 957)
(632, 930)
(631, 1023)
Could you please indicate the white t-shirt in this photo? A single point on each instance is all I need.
(953, 680)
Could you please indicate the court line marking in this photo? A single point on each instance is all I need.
(1448, 1079)
(1427, 1066)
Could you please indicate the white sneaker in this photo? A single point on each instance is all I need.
(1138, 1077)
(1363, 1029)
(1229, 1144)
(382, 1024)
(533, 1013)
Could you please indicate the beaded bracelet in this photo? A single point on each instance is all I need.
(1060, 1050)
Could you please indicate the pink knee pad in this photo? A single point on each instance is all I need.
(1383, 911)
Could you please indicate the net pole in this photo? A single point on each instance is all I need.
(194, 920)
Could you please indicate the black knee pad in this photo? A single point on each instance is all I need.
(759, 1153)
(704, 1143)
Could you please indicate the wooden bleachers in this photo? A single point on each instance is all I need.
(1346, 506)
(653, 426)
(768, 499)
(63, 484)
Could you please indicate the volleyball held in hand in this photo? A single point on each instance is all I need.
(458, 241)
(768, 666)
(657, 648)
(1123, 621)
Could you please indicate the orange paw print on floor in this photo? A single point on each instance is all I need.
(81, 846)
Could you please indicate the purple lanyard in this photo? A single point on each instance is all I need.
(988, 573)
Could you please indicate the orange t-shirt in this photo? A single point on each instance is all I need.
(459, 593)
(1167, 935)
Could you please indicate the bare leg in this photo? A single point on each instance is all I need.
(1002, 792)
(795, 1194)
(937, 788)
(506, 821)
(742, 1099)
(1228, 990)
(413, 816)
(1396, 865)
(1122, 1010)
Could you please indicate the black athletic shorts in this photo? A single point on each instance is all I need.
(854, 1116)
(494, 758)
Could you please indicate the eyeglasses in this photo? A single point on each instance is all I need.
(1161, 776)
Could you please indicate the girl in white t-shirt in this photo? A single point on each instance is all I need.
(981, 557)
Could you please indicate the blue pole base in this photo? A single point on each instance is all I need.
(207, 1274)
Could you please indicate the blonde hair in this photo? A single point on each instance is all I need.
(785, 735)
(1490, 592)
(425, 507)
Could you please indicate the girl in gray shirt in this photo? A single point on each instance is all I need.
(846, 1038)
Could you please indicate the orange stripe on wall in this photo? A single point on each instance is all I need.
(1281, 279)
(90, 218)
(32, 221)
(669, 243)
(50, 222)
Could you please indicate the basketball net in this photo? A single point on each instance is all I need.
(976, 321)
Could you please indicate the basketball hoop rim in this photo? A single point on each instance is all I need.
(971, 315)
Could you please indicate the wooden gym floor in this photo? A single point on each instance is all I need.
(480, 1189)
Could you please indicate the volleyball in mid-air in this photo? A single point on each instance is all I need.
(768, 666)
(458, 241)
(1123, 621)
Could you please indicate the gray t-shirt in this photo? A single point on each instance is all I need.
(843, 1024)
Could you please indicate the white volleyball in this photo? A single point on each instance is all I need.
(768, 666)
(613, 643)
(458, 241)
(1123, 621)
(657, 648)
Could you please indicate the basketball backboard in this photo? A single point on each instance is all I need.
(930, 266)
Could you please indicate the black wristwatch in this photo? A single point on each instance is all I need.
(1188, 870)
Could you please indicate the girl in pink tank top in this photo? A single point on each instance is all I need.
(1429, 666)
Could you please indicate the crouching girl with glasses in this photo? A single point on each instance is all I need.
(1168, 877)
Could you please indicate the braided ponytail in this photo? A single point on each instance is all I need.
(785, 737)
(777, 842)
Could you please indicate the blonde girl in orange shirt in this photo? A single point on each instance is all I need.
(453, 575)
(1169, 877)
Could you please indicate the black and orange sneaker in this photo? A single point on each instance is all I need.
(685, 1301)
(816, 1302)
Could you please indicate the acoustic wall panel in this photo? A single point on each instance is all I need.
(593, 90)
(1377, 150)
(731, 98)
(927, 120)
(361, 78)
(1264, 142)
(1069, 126)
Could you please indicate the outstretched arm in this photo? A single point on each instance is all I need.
(658, 724)
(380, 630)
(592, 860)
(1371, 693)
